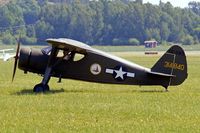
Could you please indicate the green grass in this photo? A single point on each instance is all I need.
(75, 106)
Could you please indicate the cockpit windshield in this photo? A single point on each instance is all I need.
(46, 50)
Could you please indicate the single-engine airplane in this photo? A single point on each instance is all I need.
(66, 58)
(6, 56)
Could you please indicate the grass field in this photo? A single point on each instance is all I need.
(75, 106)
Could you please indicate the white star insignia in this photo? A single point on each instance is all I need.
(120, 73)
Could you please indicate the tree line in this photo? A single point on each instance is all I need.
(99, 22)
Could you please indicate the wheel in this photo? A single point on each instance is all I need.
(40, 88)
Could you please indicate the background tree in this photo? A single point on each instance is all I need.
(99, 22)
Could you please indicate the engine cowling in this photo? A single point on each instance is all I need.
(32, 60)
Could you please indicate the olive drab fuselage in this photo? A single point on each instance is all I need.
(82, 62)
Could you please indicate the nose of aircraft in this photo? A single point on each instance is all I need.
(24, 58)
(32, 60)
(28, 59)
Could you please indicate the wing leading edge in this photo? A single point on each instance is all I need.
(72, 45)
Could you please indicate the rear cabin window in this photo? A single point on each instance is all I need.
(78, 57)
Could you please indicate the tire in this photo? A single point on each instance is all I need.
(40, 88)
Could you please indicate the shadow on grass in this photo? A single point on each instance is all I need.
(115, 91)
(30, 92)
(153, 91)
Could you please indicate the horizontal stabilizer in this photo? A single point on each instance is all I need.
(161, 74)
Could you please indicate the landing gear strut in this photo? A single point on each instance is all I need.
(43, 86)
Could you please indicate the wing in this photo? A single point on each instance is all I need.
(69, 44)
(4, 50)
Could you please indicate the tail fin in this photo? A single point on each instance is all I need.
(173, 62)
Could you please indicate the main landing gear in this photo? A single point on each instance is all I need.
(43, 86)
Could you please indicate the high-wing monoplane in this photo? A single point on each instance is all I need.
(6, 56)
(70, 59)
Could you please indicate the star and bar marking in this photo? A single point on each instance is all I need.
(120, 73)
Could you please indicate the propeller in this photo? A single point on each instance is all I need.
(16, 59)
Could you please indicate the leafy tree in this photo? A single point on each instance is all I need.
(28, 40)
(188, 40)
(7, 38)
(134, 41)
(43, 30)
(164, 31)
(195, 7)
(120, 41)
(116, 41)
(30, 31)
(99, 22)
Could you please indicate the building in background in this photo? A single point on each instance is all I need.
(151, 44)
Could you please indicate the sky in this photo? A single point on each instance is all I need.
(175, 3)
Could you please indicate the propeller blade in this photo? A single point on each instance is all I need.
(16, 59)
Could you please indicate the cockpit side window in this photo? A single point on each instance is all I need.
(64, 54)
(78, 57)
(60, 53)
